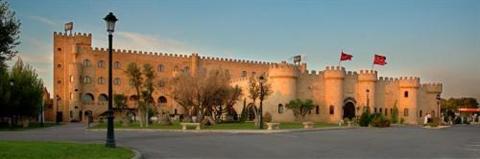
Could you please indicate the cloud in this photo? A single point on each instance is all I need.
(137, 41)
(44, 20)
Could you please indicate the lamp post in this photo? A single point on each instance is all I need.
(11, 89)
(110, 19)
(261, 80)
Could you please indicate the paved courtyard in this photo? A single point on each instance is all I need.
(404, 142)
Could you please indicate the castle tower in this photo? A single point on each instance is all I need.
(431, 103)
(194, 64)
(334, 83)
(366, 89)
(283, 80)
(67, 72)
(408, 99)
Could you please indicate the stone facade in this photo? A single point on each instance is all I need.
(81, 74)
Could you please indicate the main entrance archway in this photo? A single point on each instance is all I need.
(349, 110)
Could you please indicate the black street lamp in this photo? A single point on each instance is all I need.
(261, 80)
(110, 19)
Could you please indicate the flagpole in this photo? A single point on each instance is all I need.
(340, 60)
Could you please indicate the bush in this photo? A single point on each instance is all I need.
(267, 117)
(365, 119)
(378, 120)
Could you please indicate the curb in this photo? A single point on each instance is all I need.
(137, 155)
(438, 127)
(231, 131)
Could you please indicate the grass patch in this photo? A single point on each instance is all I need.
(5, 127)
(221, 126)
(53, 150)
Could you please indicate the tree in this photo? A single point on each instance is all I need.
(232, 96)
(254, 90)
(26, 93)
(204, 95)
(120, 102)
(454, 103)
(300, 107)
(9, 33)
(135, 79)
(395, 113)
(148, 85)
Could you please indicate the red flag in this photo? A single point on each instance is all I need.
(380, 60)
(345, 57)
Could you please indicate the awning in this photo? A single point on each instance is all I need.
(469, 110)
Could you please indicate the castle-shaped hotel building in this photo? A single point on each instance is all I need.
(81, 74)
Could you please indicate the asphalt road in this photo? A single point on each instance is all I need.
(397, 142)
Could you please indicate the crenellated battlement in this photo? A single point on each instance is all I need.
(386, 79)
(334, 72)
(367, 75)
(433, 87)
(283, 69)
(76, 34)
(124, 51)
(409, 82)
(222, 59)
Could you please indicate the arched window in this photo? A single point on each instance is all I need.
(162, 100)
(186, 69)
(87, 80)
(420, 113)
(317, 109)
(280, 108)
(405, 112)
(380, 110)
(116, 65)
(103, 98)
(116, 81)
(244, 74)
(100, 64)
(101, 80)
(87, 98)
(160, 68)
(86, 63)
(405, 94)
(332, 110)
(375, 109)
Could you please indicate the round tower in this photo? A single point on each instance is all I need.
(366, 89)
(74, 105)
(334, 77)
(283, 81)
(408, 99)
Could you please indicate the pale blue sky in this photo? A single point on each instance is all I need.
(437, 40)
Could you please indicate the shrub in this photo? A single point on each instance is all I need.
(378, 120)
(394, 115)
(365, 119)
(267, 117)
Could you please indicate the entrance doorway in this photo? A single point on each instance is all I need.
(349, 110)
